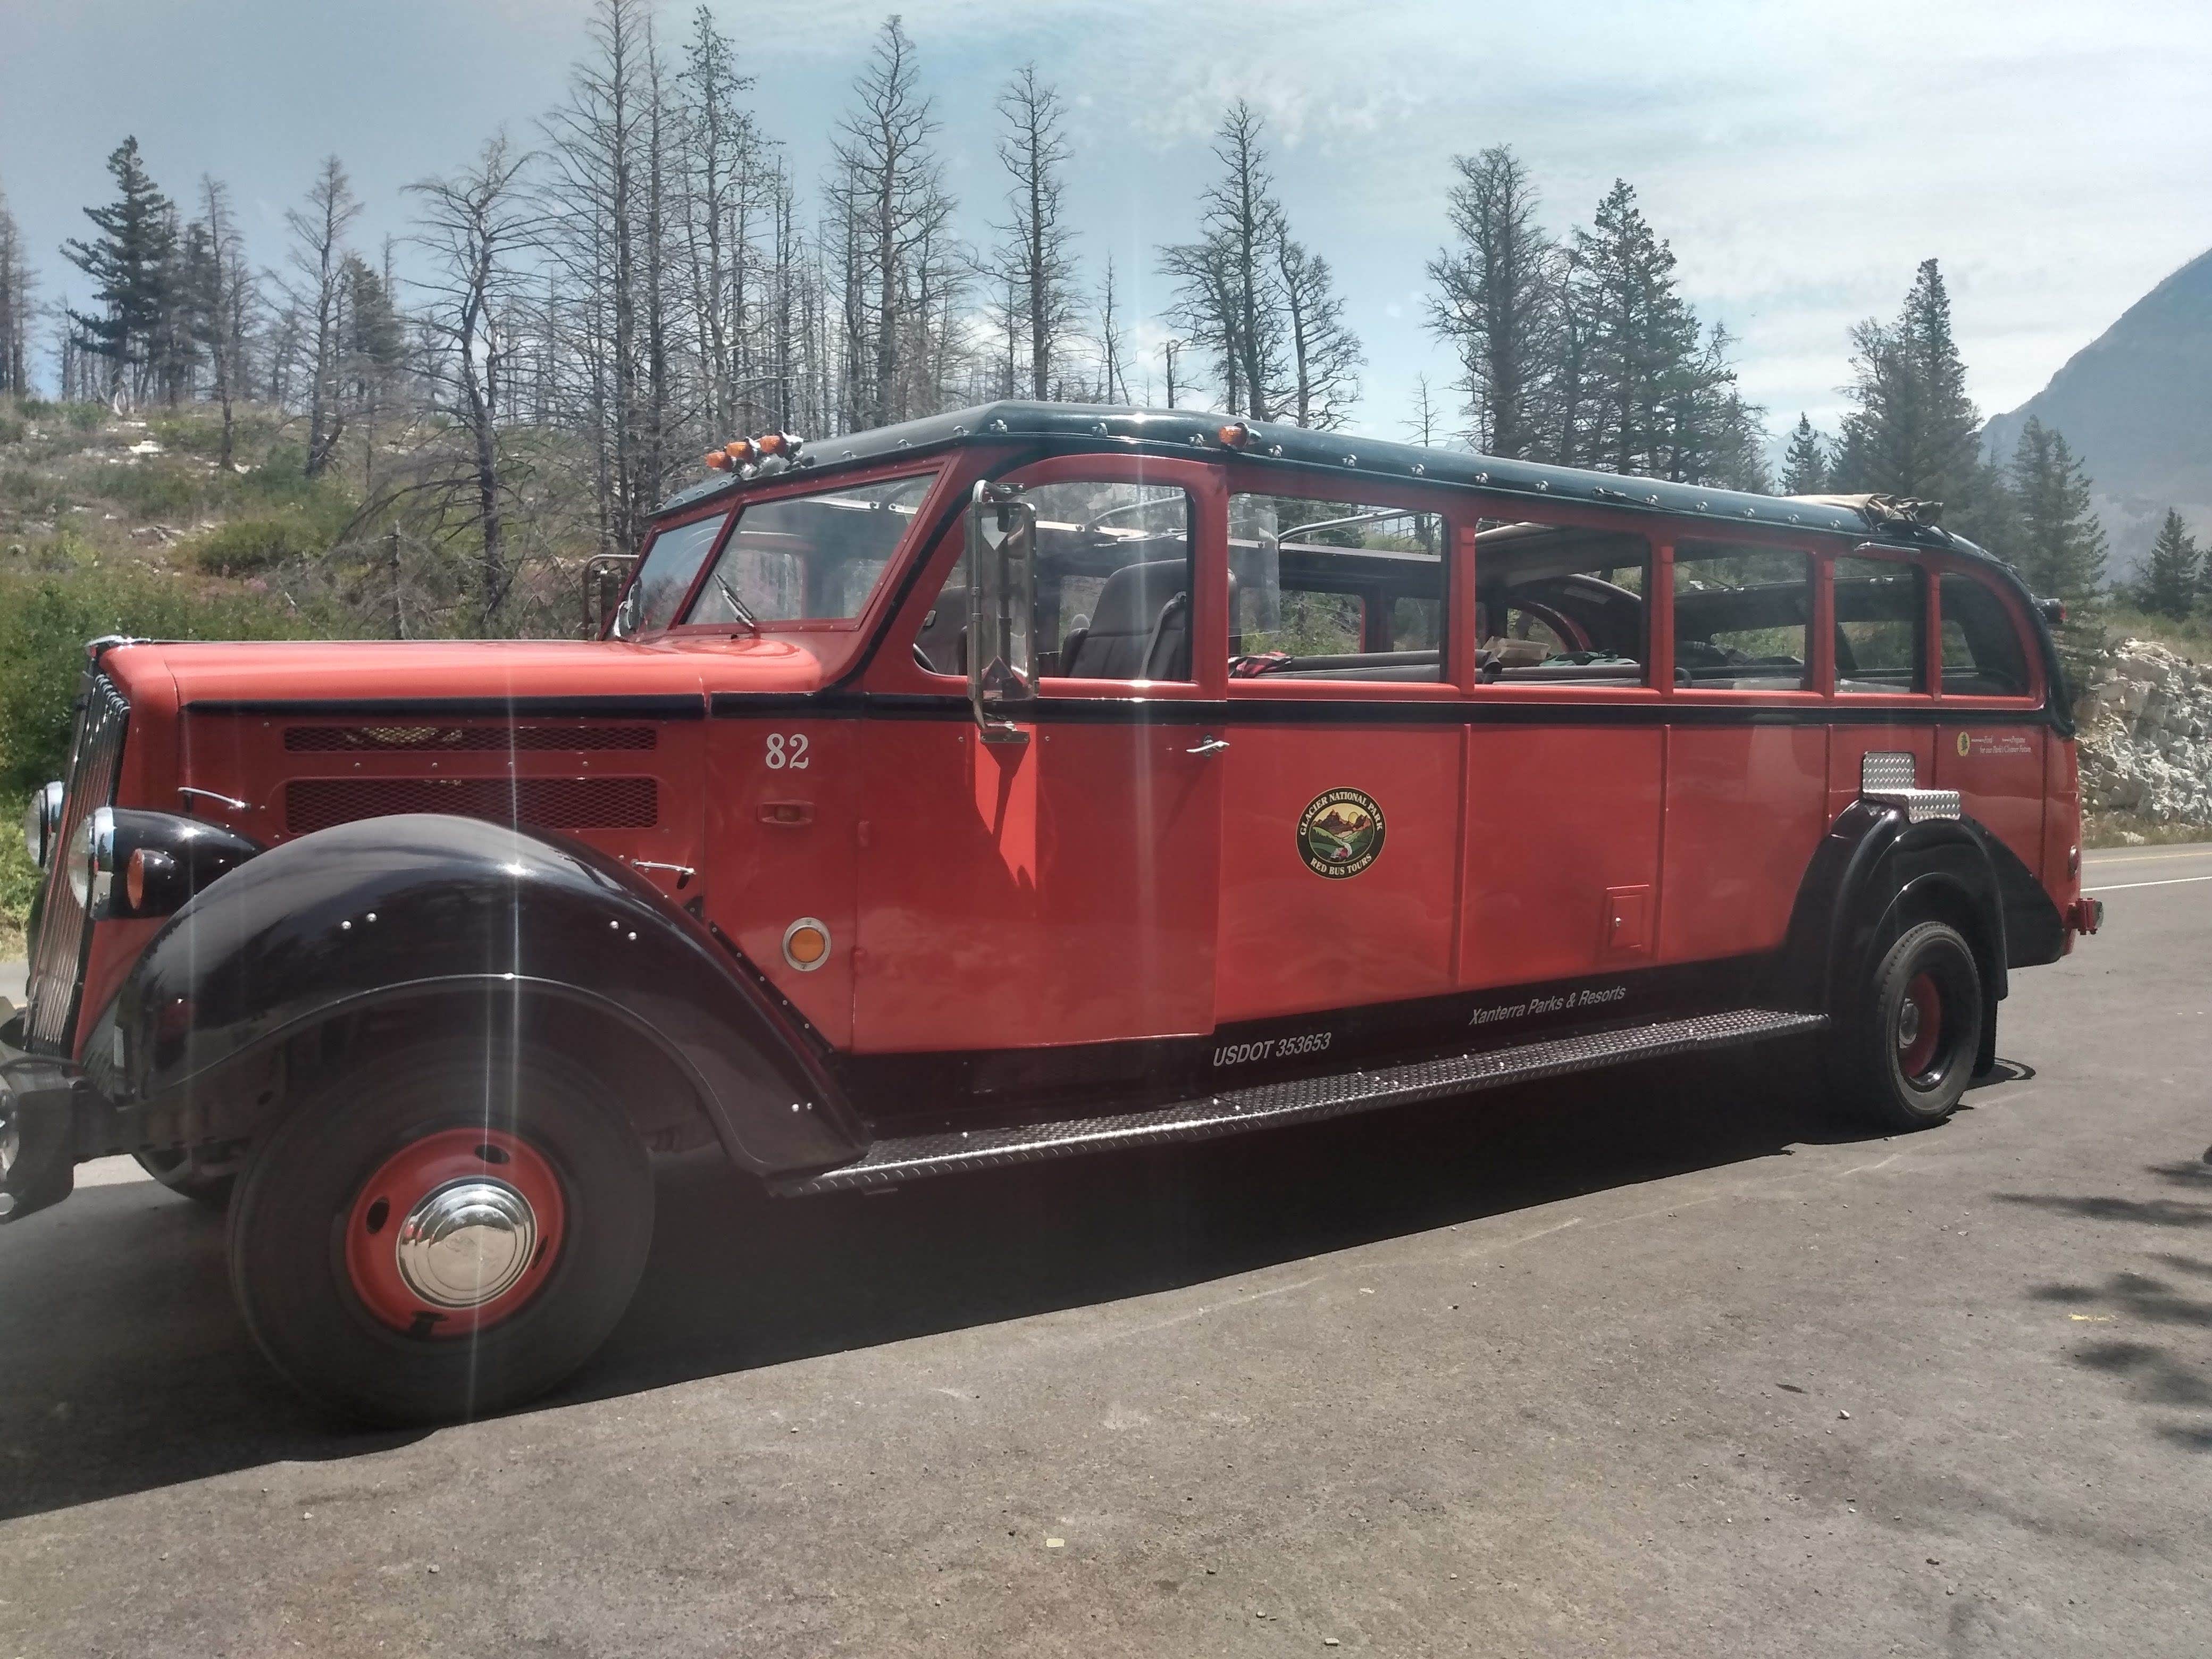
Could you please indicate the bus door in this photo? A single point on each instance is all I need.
(1061, 886)
(1991, 733)
(1565, 758)
(1747, 749)
(1342, 781)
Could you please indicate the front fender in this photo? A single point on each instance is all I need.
(424, 906)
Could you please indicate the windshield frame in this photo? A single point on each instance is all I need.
(803, 482)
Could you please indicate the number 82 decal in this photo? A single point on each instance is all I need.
(787, 752)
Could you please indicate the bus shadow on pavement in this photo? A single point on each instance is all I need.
(124, 1366)
(2173, 1301)
(740, 1280)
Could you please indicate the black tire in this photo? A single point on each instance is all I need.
(290, 1230)
(1905, 1051)
(175, 1170)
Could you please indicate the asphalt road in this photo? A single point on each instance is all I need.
(1664, 1364)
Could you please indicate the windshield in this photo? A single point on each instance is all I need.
(809, 558)
(672, 563)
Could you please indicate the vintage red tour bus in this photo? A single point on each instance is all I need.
(1030, 782)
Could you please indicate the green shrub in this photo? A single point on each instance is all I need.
(19, 876)
(47, 617)
(26, 492)
(150, 490)
(245, 547)
(13, 427)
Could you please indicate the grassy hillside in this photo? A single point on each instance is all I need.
(130, 526)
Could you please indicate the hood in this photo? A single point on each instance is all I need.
(479, 673)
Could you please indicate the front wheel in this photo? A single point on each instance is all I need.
(442, 1233)
(1907, 1049)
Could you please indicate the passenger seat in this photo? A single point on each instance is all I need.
(1140, 629)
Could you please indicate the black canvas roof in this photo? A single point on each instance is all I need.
(1062, 428)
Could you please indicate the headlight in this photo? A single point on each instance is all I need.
(92, 861)
(42, 821)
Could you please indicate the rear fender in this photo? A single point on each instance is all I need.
(1876, 871)
(451, 916)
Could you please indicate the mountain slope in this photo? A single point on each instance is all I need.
(2136, 404)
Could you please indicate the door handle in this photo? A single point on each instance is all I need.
(1207, 746)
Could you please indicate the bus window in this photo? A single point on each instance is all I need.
(1113, 586)
(670, 565)
(1981, 653)
(809, 558)
(1559, 604)
(1336, 590)
(1742, 617)
(1881, 625)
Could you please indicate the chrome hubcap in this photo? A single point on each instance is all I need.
(467, 1242)
(1908, 1024)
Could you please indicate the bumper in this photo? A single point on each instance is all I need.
(40, 1100)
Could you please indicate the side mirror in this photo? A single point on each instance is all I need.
(603, 576)
(1002, 607)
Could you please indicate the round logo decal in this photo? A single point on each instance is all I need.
(1966, 742)
(1341, 833)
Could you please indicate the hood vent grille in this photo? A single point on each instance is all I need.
(463, 739)
(312, 803)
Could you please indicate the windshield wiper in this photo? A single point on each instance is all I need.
(744, 611)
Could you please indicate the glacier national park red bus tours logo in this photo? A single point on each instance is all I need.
(1341, 833)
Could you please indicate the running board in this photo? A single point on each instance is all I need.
(1307, 1100)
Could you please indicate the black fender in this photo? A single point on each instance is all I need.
(1874, 869)
(428, 911)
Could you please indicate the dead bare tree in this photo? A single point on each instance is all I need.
(475, 226)
(1324, 353)
(1033, 149)
(318, 261)
(1113, 341)
(229, 306)
(888, 196)
(597, 140)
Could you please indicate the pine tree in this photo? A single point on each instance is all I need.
(132, 265)
(1645, 365)
(1805, 463)
(1912, 431)
(2060, 549)
(1496, 301)
(2170, 581)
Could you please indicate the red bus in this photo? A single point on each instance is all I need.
(1020, 783)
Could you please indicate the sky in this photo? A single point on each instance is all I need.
(2056, 155)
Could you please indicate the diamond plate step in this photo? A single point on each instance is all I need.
(1305, 1101)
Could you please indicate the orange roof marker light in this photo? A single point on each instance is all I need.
(716, 461)
(739, 452)
(1235, 435)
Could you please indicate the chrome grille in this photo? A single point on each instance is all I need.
(65, 932)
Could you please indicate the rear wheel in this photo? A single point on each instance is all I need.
(442, 1233)
(1907, 1049)
(175, 1170)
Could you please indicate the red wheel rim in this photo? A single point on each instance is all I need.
(455, 1232)
(1919, 1025)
